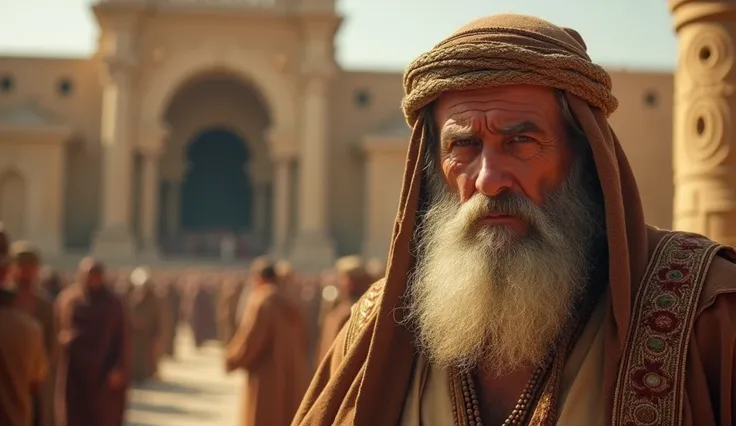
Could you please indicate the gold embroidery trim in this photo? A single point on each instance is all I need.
(650, 385)
(362, 312)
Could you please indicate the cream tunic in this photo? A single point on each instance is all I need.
(580, 401)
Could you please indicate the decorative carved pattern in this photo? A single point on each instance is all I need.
(705, 101)
(708, 131)
(709, 56)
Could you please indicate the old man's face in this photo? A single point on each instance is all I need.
(502, 140)
(504, 249)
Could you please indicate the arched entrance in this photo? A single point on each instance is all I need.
(216, 169)
(216, 192)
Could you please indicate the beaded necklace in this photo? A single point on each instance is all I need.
(553, 365)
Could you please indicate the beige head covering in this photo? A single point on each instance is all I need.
(495, 51)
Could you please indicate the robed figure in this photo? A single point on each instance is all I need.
(271, 346)
(94, 361)
(523, 285)
(202, 316)
(145, 319)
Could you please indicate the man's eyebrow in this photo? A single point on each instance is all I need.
(520, 127)
(457, 133)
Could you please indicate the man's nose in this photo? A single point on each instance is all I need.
(494, 177)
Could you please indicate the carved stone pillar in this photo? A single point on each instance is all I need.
(114, 237)
(283, 153)
(150, 145)
(705, 101)
(260, 209)
(149, 203)
(314, 247)
(173, 207)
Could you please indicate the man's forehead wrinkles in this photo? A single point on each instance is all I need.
(461, 120)
(491, 103)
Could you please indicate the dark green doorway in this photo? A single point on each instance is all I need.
(216, 193)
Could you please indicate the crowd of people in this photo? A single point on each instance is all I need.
(74, 338)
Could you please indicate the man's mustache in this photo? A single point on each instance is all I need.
(506, 203)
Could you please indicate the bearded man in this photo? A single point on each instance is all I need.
(94, 367)
(525, 286)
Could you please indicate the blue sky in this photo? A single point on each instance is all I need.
(387, 34)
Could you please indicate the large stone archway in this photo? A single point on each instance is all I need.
(254, 67)
(156, 87)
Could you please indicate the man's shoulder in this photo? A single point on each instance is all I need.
(720, 277)
(364, 310)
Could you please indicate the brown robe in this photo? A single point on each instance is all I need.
(145, 319)
(332, 323)
(94, 341)
(367, 383)
(173, 300)
(40, 307)
(202, 316)
(23, 365)
(271, 345)
(227, 309)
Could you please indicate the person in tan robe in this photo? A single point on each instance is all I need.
(227, 309)
(524, 285)
(201, 313)
(145, 319)
(172, 298)
(94, 362)
(23, 363)
(167, 318)
(25, 268)
(271, 346)
(352, 281)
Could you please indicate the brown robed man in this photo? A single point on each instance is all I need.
(94, 364)
(25, 268)
(271, 346)
(524, 285)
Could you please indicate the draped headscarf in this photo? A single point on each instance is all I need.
(495, 51)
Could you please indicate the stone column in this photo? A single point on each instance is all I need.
(282, 153)
(314, 247)
(704, 105)
(151, 141)
(150, 184)
(260, 209)
(173, 207)
(114, 238)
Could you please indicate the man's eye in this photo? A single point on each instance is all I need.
(465, 143)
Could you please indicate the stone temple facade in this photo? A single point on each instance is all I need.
(207, 125)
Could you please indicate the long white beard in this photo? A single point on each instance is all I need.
(487, 296)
